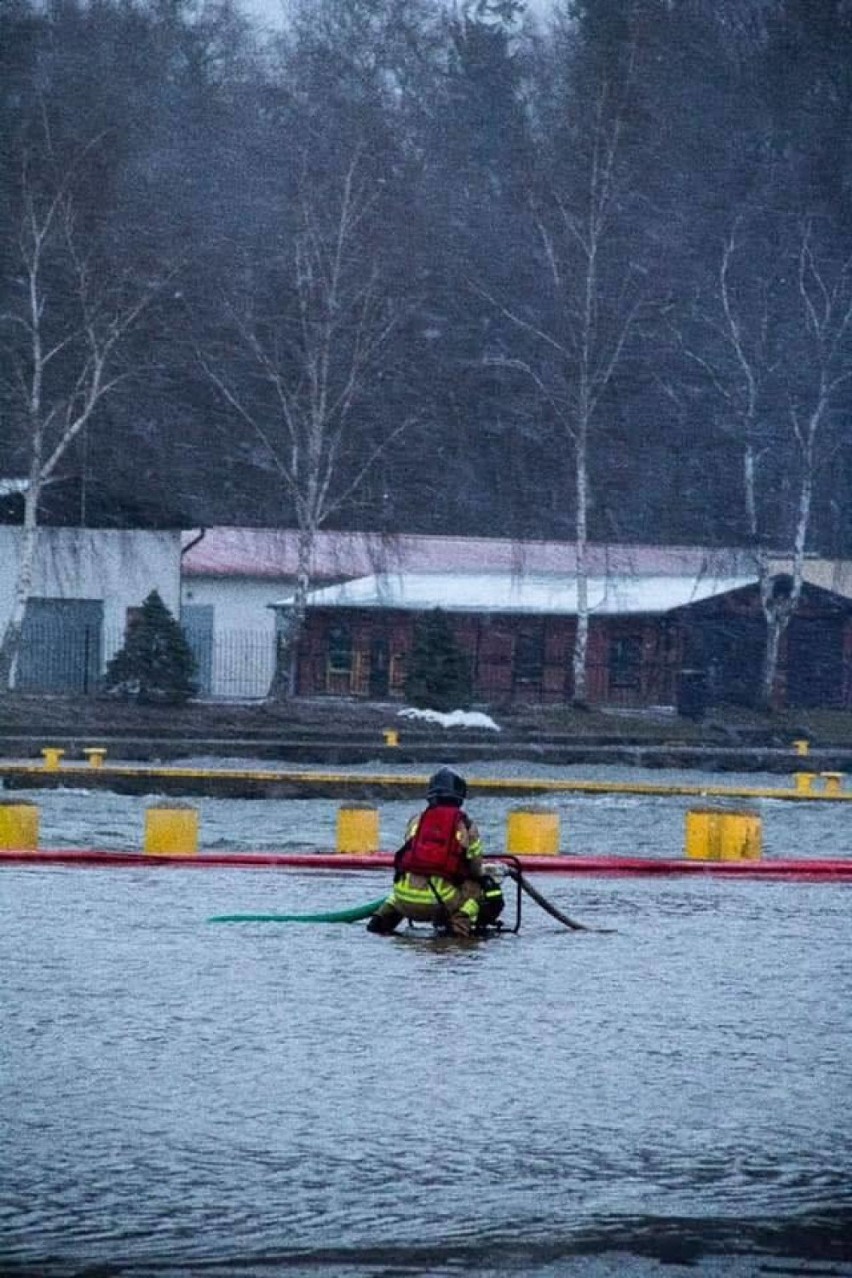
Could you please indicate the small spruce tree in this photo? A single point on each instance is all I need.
(156, 666)
(439, 676)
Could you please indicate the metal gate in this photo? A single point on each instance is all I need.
(197, 622)
(61, 645)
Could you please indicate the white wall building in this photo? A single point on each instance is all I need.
(231, 579)
(85, 580)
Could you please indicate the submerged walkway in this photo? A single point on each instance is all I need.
(273, 783)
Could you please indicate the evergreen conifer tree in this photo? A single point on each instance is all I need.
(439, 676)
(156, 666)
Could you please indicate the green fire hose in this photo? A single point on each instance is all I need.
(352, 915)
(357, 912)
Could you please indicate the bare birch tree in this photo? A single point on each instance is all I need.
(312, 362)
(590, 309)
(781, 352)
(61, 335)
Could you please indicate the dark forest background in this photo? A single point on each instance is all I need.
(645, 204)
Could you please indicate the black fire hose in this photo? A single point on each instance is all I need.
(514, 872)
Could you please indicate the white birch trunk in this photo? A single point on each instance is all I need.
(291, 621)
(58, 408)
(10, 646)
(821, 362)
(581, 637)
(315, 370)
(779, 611)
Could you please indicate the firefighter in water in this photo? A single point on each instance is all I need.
(438, 872)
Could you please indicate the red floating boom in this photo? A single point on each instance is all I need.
(633, 866)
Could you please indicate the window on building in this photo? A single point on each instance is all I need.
(625, 661)
(339, 650)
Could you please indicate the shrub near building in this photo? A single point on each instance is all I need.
(156, 666)
(439, 676)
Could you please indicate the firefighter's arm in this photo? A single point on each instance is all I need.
(397, 860)
(410, 831)
(474, 851)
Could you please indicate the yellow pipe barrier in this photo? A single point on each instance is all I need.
(713, 834)
(532, 831)
(416, 783)
(358, 829)
(19, 821)
(52, 758)
(171, 829)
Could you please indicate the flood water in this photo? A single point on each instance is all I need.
(187, 1098)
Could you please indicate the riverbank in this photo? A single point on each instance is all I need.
(27, 714)
(335, 731)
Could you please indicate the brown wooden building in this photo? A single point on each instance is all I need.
(648, 636)
(723, 638)
(233, 578)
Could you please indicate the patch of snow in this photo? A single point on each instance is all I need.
(452, 719)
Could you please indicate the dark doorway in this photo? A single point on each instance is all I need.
(727, 654)
(625, 663)
(528, 659)
(815, 662)
(379, 668)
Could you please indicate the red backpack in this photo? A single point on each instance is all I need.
(436, 847)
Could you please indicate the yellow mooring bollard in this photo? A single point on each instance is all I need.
(713, 834)
(358, 829)
(95, 755)
(391, 736)
(532, 831)
(171, 829)
(804, 781)
(833, 782)
(19, 825)
(802, 745)
(52, 758)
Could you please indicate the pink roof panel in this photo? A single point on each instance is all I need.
(272, 553)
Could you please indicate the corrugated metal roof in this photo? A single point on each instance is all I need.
(272, 553)
(536, 594)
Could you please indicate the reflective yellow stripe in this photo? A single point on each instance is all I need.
(405, 893)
